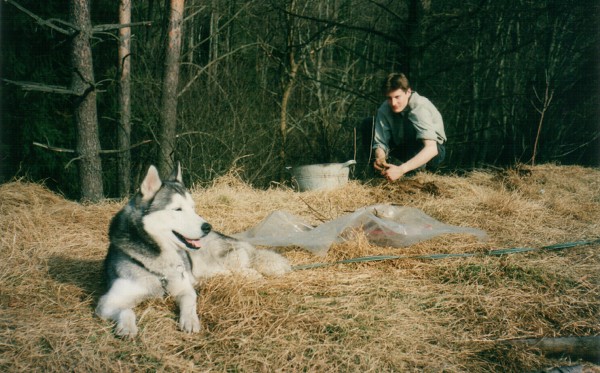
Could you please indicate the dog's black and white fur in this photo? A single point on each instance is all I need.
(159, 246)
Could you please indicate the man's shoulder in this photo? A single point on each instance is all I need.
(417, 101)
(420, 105)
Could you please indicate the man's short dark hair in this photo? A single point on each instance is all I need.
(395, 81)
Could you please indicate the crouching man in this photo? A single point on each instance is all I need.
(408, 127)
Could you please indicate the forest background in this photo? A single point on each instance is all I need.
(267, 84)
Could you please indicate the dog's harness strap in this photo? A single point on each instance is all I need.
(163, 279)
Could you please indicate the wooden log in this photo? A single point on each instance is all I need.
(585, 348)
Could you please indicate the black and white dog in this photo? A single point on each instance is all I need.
(159, 246)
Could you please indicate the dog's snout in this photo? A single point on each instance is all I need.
(206, 228)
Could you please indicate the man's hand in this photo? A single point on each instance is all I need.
(380, 163)
(393, 173)
(429, 151)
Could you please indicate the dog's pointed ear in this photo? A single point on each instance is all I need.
(176, 174)
(151, 184)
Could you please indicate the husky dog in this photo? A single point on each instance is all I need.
(159, 246)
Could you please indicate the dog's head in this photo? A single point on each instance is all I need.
(169, 211)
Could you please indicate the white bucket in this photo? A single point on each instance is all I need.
(321, 176)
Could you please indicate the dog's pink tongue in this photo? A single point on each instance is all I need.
(195, 243)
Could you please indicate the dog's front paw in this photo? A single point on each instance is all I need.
(189, 323)
(126, 327)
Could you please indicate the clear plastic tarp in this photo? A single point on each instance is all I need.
(383, 225)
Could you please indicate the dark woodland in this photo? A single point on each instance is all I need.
(255, 86)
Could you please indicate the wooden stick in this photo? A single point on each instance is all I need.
(113, 151)
(586, 348)
(31, 86)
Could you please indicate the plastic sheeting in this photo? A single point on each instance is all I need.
(383, 225)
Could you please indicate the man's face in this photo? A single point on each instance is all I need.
(398, 99)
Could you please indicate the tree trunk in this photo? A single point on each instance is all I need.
(86, 116)
(124, 130)
(213, 54)
(285, 98)
(413, 32)
(168, 130)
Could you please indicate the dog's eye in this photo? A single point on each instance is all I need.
(178, 209)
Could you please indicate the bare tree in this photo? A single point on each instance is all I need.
(541, 108)
(86, 116)
(214, 41)
(124, 130)
(83, 90)
(290, 56)
(168, 105)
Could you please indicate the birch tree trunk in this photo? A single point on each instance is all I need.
(124, 130)
(168, 105)
(85, 111)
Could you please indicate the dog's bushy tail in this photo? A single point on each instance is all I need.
(270, 263)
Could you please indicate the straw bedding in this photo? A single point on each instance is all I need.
(449, 315)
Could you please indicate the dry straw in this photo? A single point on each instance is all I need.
(448, 315)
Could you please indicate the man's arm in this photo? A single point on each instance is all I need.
(380, 160)
(381, 138)
(421, 158)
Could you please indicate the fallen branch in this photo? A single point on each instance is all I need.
(52, 23)
(585, 348)
(113, 151)
(31, 86)
(64, 150)
(48, 23)
(319, 216)
(116, 26)
(53, 148)
(124, 150)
